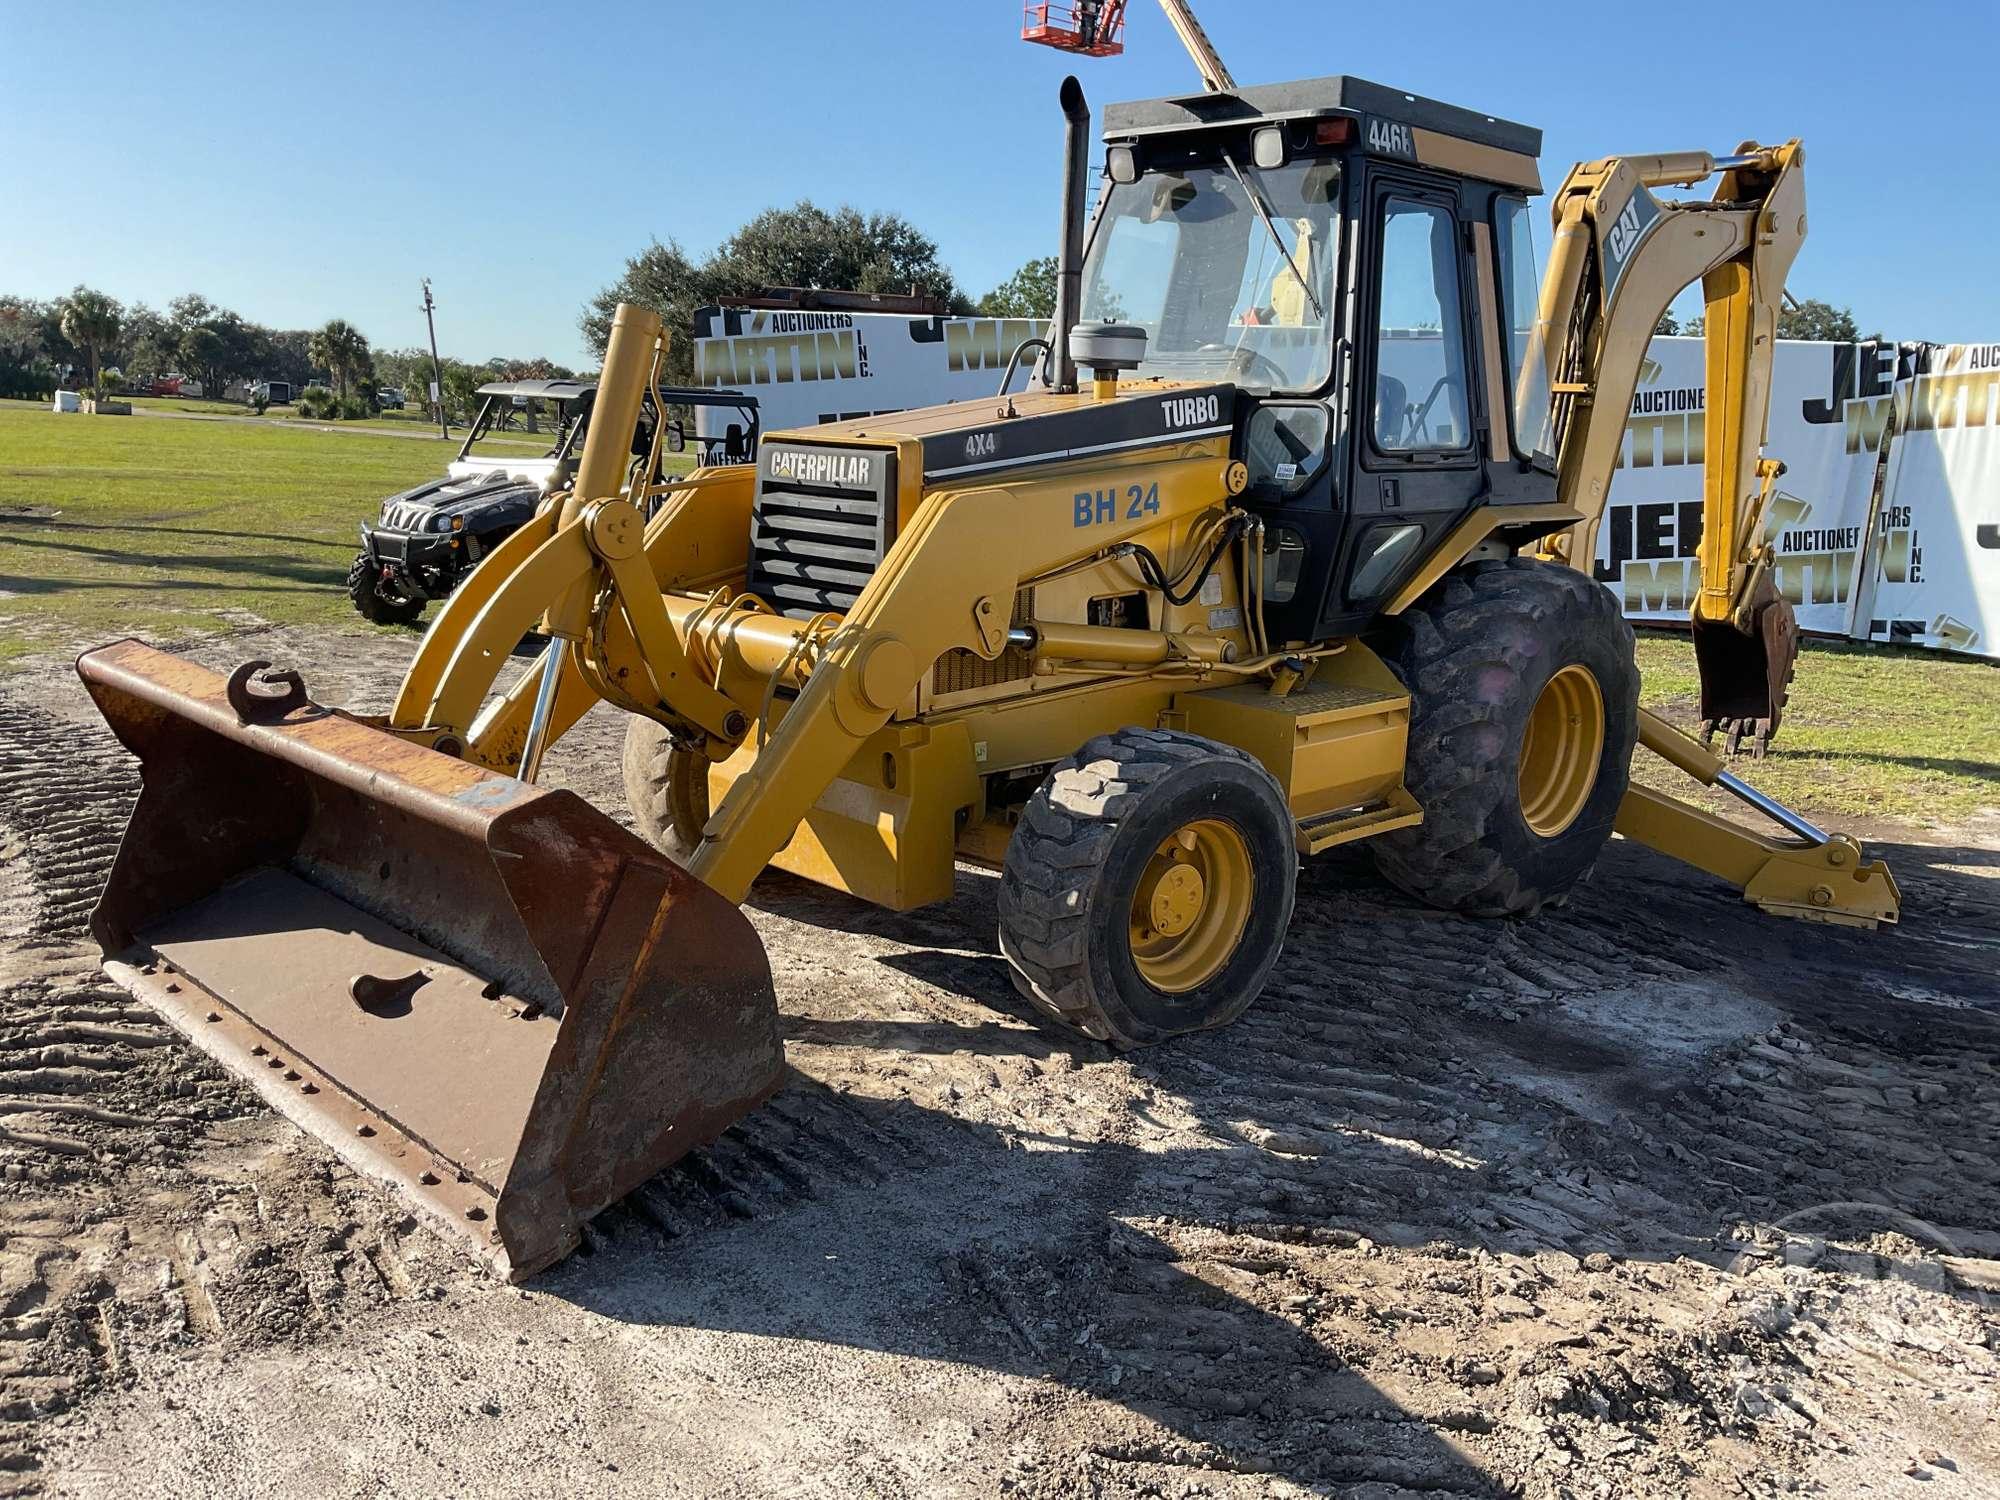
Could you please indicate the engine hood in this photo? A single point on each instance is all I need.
(972, 439)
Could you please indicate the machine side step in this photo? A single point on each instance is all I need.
(1316, 835)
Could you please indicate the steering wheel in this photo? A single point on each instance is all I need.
(1249, 359)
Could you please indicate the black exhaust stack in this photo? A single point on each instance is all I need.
(1069, 268)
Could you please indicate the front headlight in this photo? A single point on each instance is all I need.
(440, 523)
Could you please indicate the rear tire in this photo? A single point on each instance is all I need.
(1524, 712)
(1148, 887)
(375, 603)
(667, 789)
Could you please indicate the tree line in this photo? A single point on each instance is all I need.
(88, 333)
(1812, 320)
(802, 246)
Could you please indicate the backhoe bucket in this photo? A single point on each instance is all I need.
(1745, 676)
(484, 993)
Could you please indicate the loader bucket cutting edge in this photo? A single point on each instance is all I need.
(484, 993)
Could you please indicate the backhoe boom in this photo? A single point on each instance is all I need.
(1621, 256)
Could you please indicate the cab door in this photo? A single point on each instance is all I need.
(1414, 456)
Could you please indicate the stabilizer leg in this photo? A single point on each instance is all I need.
(1817, 876)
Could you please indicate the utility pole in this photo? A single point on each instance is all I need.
(437, 369)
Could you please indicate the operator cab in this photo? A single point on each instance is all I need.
(1358, 262)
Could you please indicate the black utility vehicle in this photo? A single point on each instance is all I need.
(430, 537)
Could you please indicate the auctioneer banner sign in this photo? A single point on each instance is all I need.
(810, 367)
(1887, 520)
(1886, 524)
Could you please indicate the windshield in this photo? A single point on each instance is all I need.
(1186, 256)
(511, 427)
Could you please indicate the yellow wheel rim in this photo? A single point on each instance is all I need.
(1561, 751)
(1191, 906)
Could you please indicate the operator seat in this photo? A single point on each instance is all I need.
(1392, 410)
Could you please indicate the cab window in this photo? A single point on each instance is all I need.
(1134, 273)
(1285, 447)
(1222, 293)
(1520, 290)
(1420, 378)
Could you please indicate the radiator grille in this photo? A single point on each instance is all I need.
(814, 545)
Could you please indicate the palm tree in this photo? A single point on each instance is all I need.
(342, 349)
(91, 320)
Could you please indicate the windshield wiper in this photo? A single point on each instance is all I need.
(1257, 202)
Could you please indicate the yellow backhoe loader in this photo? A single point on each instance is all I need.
(1304, 561)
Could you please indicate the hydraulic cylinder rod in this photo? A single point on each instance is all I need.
(1667, 742)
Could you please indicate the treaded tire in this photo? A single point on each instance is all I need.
(666, 788)
(1075, 862)
(364, 587)
(1475, 654)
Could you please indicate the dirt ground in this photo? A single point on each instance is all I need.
(1653, 1196)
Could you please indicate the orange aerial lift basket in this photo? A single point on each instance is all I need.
(1095, 28)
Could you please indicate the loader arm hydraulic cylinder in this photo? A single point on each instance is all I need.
(584, 547)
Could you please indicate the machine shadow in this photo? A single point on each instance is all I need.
(262, 567)
(1159, 1276)
(1062, 1273)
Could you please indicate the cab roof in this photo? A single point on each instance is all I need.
(1311, 97)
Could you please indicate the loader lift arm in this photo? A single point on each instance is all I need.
(583, 571)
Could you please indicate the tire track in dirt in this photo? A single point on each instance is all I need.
(147, 1201)
(114, 1234)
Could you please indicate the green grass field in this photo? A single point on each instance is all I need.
(189, 405)
(122, 525)
(201, 406)
(410, 421)
(113, 526)
(1903, 735)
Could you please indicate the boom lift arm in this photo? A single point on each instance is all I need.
(1621, 256)
(1208, 62)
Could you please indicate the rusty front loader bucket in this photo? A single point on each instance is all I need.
(484, 993)
(1746, 675)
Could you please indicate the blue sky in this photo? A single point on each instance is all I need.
(279, 158)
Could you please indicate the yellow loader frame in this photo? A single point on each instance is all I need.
(844, 782)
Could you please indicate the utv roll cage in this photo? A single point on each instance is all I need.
(573, 400)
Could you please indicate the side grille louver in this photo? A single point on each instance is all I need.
(813, 547)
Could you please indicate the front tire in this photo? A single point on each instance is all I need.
(667, 789)
(1148, 887)
(1524, 713)
(380, 605)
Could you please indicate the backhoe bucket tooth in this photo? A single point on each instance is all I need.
(1745, 676)
(484, 993)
